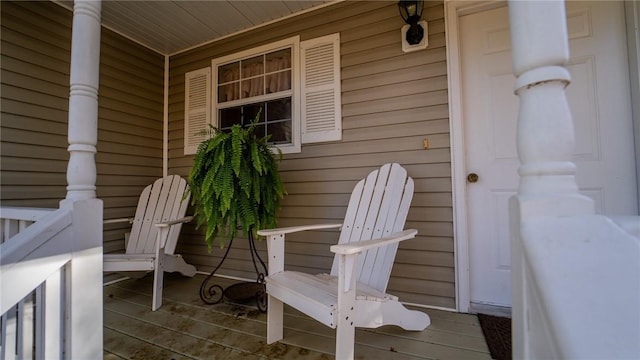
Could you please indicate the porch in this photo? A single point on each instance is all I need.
(560, 246)
(186, 328)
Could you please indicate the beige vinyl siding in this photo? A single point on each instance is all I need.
(36, 45)
(130, 120)
(35, 91)
(391, 102)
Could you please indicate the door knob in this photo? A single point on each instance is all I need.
(472, 178)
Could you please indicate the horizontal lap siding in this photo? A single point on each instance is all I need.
(36, 45)
(391, 102)
(35, 95)
(130, 149)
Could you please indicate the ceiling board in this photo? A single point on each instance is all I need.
(169, 27)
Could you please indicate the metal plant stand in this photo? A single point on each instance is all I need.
(240, 292)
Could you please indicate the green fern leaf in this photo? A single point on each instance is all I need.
(234, 181)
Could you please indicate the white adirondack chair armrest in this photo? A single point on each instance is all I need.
(275, 242)
(181, 220)
(164, 226)
(119, 220)
(349, 249)
(293, 229)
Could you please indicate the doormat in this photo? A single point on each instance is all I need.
(497, 332)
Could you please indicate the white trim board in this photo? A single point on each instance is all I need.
(632, 14)
(500, 311)
(452, 11)
(165, 120)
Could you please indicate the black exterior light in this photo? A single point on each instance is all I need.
(411, 12)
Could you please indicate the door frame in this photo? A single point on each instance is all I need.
(452, 11)
(632, 17)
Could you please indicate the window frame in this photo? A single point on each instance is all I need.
(294, 92)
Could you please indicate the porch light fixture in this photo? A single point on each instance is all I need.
(414, 34)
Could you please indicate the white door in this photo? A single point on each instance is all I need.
(600, 103)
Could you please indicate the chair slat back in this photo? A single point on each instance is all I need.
(378, 207)
(163, 200)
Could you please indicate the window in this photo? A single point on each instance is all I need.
(260, 80)
(294, 85)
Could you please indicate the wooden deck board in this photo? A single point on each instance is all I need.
(129, 341)
(186, 328)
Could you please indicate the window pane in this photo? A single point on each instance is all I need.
(250, 112)
(260, 130)
(252, 67)
(279, 81)
(279, 120)
(278, 60)
(279, 109)
(280, 132)
(230, 116)
(229, 72)
(228, 92)
(252, 87)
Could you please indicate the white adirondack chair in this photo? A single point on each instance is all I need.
(154, 234)
(354, 294)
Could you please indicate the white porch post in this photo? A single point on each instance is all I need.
(84, 332)
(545, 138)
(545, 128)
(83, 100)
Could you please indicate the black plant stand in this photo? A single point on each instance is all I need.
(241, 292)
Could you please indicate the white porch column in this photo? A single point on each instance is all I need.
(545, 141)
(545, 129)
(84, 277)
(83, 100)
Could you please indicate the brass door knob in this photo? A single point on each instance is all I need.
(472, 178)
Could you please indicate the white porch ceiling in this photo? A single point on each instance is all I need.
(169, 27)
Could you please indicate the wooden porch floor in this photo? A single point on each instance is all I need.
(186, 328)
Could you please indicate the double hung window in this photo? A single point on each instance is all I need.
(294, 87)
(261, 82)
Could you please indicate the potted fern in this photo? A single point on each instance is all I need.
(235, 183)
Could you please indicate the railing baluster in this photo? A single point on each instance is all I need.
(39, 313)
(9, 229)
(53, 315)
(25, 327)
(22, 224)
(10, 339)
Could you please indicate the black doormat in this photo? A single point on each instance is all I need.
(497, 332)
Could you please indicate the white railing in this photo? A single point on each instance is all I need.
(45, 257)
(17, 324)
(579, 283)
(51, 262)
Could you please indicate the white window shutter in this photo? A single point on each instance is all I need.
(197, 108)
(321, 93)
